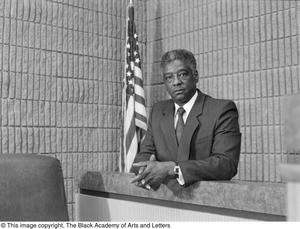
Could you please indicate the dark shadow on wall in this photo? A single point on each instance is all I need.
(291, 109)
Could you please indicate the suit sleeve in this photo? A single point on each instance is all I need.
(223, 160)
(147, 147)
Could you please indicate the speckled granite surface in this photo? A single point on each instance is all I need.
(256, 197)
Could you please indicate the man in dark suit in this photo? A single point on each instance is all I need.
(190, 137)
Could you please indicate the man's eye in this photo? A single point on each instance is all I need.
(168, 77)
(182, 74)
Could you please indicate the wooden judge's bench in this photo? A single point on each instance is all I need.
(109, 196)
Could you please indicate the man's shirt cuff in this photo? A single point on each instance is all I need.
(180, 179)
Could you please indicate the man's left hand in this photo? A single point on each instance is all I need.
(154, 174)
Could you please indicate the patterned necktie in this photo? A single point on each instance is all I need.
(180, 124)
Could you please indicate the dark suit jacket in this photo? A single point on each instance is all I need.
(210, 146)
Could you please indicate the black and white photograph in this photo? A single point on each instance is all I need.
(149, 113)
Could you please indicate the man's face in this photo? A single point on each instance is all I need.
(180, 81)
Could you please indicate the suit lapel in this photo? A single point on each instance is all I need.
(167, 125)
(192, 123)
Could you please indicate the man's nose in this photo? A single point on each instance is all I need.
(176, 80)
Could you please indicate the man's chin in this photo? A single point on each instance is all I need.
(179, 99)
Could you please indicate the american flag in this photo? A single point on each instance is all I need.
(133, 97)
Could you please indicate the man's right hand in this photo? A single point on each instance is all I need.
(141, 170)
(154, 173)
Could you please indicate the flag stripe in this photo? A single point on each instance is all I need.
(132, 150)
(142, 118)
(138, 81)
(140, 99)
(129, 112)
(138, 72)
(139, 90)
(129, 136)
(141, 124)
(139, 109)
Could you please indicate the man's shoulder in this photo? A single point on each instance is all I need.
(219, 104)
(162, 104)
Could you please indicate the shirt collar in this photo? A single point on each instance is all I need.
(189, 105)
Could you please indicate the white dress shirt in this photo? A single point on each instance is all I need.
(187, 107)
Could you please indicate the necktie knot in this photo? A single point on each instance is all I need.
(180, 111)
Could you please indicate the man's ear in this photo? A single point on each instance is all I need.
(196, 75)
